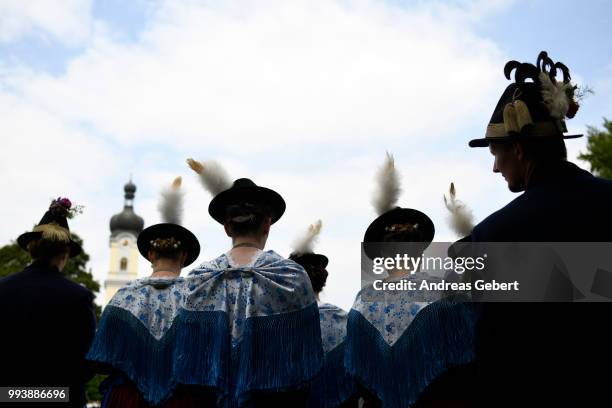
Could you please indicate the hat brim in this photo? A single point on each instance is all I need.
(310, 259)
(190, 243)
(376, 230)
(24, 239)
(485, 141)
(252, 194)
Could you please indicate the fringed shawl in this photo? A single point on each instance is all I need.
(398, 342)
(237, 329)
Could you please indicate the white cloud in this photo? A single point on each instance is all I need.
(256, 74)
(347, 79)
(67, 21)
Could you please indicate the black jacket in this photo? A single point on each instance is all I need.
(47, 324)
(547, 354)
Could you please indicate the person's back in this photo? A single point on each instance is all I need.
(47, 320)
(44, 317)
(564, 204)
(541, 353)
(263, 307)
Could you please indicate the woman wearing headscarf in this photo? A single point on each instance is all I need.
(259, 305)
(145, 338)
(333, 387)
(398, 341)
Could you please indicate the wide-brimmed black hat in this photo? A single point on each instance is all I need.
(532, 109)
(388, 221)
(187, 241)
(53, 226)
(311, 258)
(246, 191)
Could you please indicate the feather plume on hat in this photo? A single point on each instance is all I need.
(461, 219)
(388, 182)
(305, 243)
(213, 176)
(171, 202)
(554, 95)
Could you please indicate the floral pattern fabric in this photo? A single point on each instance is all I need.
(333, 326)
(392, 312)
(269, 285)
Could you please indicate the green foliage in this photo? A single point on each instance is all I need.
(92, 388)
(12, 259)
(599, 150)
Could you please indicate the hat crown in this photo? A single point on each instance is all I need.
(58, 213)
(243, 182)
(529, 93)
(536, 86)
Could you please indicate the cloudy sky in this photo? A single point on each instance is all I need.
(302, 96)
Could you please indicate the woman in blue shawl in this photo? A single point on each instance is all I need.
(260, 305)
(141, 336)
(399, 341)
(333, 387)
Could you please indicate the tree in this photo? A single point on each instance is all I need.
(13, 259)
(599, 150)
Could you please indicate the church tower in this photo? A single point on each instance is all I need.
(125, 227)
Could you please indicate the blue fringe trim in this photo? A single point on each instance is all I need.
(191, 352)
(333, 386)
(441, 336)
(277, 352)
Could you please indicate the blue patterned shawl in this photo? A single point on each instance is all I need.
(333, 386)
(399, 341)
(237, 329)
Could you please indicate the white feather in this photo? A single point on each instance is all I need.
(461, 219)
(388, 186)
(305, 243)
(554, 96)
(213, 176)
(171, 203)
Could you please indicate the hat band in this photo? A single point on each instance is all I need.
(537, 129)
(53, 232)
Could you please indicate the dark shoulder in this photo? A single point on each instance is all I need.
(37, 277)
(503, 221)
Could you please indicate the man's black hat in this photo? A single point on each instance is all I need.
(185, 240)
(242, 191)
(53, 226)
(533, 109)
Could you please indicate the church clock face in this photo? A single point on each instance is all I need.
(126, 250)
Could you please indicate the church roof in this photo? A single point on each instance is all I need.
(127, 220)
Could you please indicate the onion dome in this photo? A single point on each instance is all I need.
(127, 220)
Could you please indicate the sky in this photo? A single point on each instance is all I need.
(302, 96)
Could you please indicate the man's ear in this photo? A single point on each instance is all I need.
(519, 151)
(151, 256)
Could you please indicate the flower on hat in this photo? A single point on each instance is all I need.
(62, 207)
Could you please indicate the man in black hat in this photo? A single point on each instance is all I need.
(47, 320)
(538, 352)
